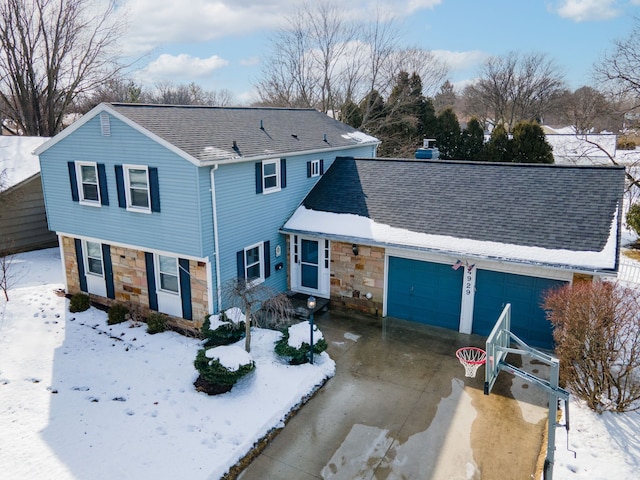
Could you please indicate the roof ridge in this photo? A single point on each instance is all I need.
(207, 107)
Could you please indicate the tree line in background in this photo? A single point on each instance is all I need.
(61, 57)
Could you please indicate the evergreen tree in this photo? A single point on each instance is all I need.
(473, 141)
(448, 135)
(530, 144)
(498, 148)
(351, 114)
(445, 98)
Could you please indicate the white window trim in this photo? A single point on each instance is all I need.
(278, 187)
(82, 200)
(260, 279)
(127, 188)
(159, 288)
(315, 168)
(85, 254)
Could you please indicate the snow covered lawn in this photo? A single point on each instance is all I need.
(81, 399)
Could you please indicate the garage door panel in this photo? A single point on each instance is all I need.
(424, 292)
(525, 293)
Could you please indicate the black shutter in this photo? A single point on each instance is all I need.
(154, 189)
(73, 181)
(308, 169)
(122, 197)
(102, 183)
(185, 288)
(321, 166)
(108, 270)
(240, 264)
(283, 172)
(267, 259)
(80, 259)
(259, 177)
(151, 281)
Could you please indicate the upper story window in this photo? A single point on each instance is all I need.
(88, 182)
(315, 168)
(271, 175)
(138, 188)
(89, 187)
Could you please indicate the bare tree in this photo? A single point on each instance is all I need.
(168, 93)
(54, 51)
(514, 88)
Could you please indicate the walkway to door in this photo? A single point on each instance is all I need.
(401, 407)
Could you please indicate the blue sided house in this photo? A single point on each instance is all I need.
(159, 206)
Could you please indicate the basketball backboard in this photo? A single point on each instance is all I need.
(498, 342)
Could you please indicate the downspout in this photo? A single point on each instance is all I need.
(215, 237)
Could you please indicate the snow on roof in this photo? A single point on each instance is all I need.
(360, 228)
(17, 158)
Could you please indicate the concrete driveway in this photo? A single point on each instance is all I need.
(400, 407)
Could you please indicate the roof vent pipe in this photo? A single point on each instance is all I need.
(324, 137)
(261, 125)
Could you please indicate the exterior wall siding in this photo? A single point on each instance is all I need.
(352, 277)
(130, 283)
(246, 217)
(23, 221)
(176, 228)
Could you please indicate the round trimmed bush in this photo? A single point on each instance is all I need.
(117, 314)
(294, 349)
(156, 323)
(221, 367)
(221, 330)
(79, 302)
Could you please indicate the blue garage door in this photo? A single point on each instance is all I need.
(424, 292)
(495, 289)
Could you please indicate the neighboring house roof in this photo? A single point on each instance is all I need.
(543, 214)
(17, 158)
(219, 134)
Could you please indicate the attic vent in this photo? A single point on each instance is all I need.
(105, 125)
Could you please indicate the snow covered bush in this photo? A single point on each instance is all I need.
(294, 344)
(597, 335)
(156, 323)
(223, 329)
(79, 303)
(221, 367)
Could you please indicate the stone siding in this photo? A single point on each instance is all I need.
(130, 283)
(353, 276)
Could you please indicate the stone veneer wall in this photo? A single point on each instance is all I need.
(130, 282)
(353, 276)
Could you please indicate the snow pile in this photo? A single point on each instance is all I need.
(231, 357)
(234, 315)
(81, 399)
(301, 333)
(17, 159)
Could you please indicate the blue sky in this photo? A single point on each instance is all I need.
(219, 44)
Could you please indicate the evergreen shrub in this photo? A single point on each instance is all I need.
(79, 302)
(214, 377)
(156, 323)
(299, 355)
(117, 314)
(633, 218)
(225, 331)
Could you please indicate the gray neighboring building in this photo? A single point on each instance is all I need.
(23, 222)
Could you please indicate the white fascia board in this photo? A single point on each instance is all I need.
(133, 247)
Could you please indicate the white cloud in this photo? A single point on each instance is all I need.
(586, 10)
(461, 60)
(249, 62)
(180, 68)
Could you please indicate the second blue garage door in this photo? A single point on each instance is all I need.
(524, 293)
(424, 292)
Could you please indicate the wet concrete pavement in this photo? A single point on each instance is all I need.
(400, 407)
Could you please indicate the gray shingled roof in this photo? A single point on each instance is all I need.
(209, 133)
(549, 206)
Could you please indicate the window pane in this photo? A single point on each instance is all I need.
(253, 256)
(90, 192)
(270, 182)
(168, 265)
(309, 276)
(309, 251)
(253, 272)
(138, 178)
(139, 198)
(93, 250)
(95, 266)
(169, 282)
(269, 169)
(89, 174)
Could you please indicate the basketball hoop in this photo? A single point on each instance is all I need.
(471, 358)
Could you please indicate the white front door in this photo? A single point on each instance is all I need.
(310, 268)
(94, 268)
